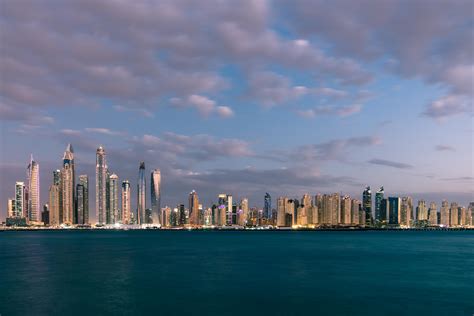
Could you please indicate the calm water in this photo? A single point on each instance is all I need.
(224, 273)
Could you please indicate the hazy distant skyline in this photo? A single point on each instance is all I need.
(285, 97)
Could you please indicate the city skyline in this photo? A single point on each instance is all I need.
(313, 209)
(267, 96)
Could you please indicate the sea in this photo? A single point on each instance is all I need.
(159, 272)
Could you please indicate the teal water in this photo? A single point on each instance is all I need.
(237, 273)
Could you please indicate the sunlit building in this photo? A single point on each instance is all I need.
(406, 211)
(20, 200)
(444, 213)
(454, 215)
(433, 214)
(68, 186)
(33, 191)
(194, 208)
(113, 213)
(346, 210)
(421, 211)
(126, 209)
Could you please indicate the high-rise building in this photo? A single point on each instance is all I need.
(267, 208)
(394, 210)
(45, 215)
(346, 209)
(406, 211)
(68, 186)
(83, 189)
(155, 187)
(222, 210)
(55, 201)
(243, 212)
(126, 202)
(113, 211)
(380, 215)
(20, 200)
(444, 214)
(34, 213)
(141, 194)
(356, 208)
(11, 208)
(433, 214)
(421, 211)
(454, 214)
(194, 208)
(101, 186)
(367, 205)
(229, 209)
(281, 211)
(80, 197)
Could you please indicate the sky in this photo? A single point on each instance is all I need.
(242, 97)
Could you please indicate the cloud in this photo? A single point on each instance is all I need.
(432, 42)
(105, 131)
(143, 54)
(142, 112)
(224, 111)
(448, 106)
(342, 111)
(336, 149)
(388, 163)
(444, 148)
(459, 179)
(203, 105)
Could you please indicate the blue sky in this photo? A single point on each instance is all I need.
(285, 97)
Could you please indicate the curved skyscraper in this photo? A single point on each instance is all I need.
(33, 191)
(100, 185)
(141, 196)
(155, 187)
(68, 186)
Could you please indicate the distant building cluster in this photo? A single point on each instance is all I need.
(68, 205)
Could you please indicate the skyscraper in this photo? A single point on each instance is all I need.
(34, 213)
(346, 209)
(406, 211)
(243, 212)
(83, 216)
(141, 194)
(101, 186)
(68, 186)
(367, 205)
(113, 199)
(433, 214)
(126, 202)
(454, 214)
(421, 211)
(379, 217)
(267, 208)
(55, 201)
(11, 208)
(356, 207)
(80, 197)
(394, 210)
(155, 187)
(20, 200)
(193, 208)
(444, 213)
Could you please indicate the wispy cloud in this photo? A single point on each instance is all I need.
(444, 148)
(389, 163)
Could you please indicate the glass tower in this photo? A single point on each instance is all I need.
(141, 197)
(379, 217)
(101, 185)
(68, 186)
(267, 209)
(155, 187)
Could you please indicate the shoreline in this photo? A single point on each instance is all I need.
(226, 229)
